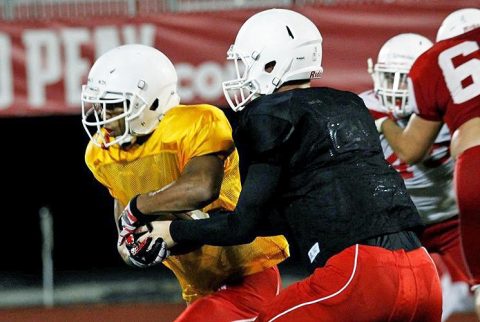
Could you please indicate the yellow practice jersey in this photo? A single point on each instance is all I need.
(187, 131)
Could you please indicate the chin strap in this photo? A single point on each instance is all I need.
(127, 141)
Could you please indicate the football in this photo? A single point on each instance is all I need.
(189, 215)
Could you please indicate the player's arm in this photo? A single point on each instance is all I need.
(240, 226)
(412, 143)
(198, 185)
(204, 142)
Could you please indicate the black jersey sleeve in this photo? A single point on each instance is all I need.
(249, 220)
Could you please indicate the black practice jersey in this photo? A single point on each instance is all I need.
(315, 172)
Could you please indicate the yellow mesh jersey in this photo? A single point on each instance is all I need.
(187, 131)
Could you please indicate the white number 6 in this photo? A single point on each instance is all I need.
(455, 75)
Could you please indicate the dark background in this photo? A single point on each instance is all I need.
(42, 160)
(43, 165)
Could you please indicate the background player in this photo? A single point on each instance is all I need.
(315, 158)
(178, 158)
(445, 84)
(430, 182)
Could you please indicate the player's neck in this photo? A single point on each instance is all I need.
(288, 87)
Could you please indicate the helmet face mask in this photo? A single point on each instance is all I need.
(391, 87)
(241, 90)
(96, 115)
(129, 90)
(390, 73)
(272, 47)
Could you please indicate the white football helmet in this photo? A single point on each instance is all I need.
(142, 79)
(459, 22)
(389, 74)
(272, 47)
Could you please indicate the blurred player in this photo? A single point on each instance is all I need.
(317, 174)
(177, 158)
(430, 183)
(445, 84)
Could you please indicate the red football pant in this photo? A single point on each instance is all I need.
(443, 238)
(467, 185)
(241, 301)
(363, 284)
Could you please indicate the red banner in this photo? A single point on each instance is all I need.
(43, 64)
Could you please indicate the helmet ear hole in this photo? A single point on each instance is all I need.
(154, 105)
(270, 66)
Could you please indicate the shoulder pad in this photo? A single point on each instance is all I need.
(267, 123)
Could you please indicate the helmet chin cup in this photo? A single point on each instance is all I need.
(127, 140)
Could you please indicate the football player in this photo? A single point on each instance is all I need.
(445, 89)
(159, 157)
(317, 174)
(430, 182)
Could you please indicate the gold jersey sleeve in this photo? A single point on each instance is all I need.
(185, 132)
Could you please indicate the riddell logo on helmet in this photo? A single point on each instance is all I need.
(315, 74)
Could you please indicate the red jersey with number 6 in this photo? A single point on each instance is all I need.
(446, 80)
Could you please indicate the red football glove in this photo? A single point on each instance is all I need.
(130, 219)
(147, 253)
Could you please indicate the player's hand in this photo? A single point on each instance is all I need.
(379, 118)
(130, 219)
(379, 123)
(156, 230)
(147, 252)
(124, 253)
